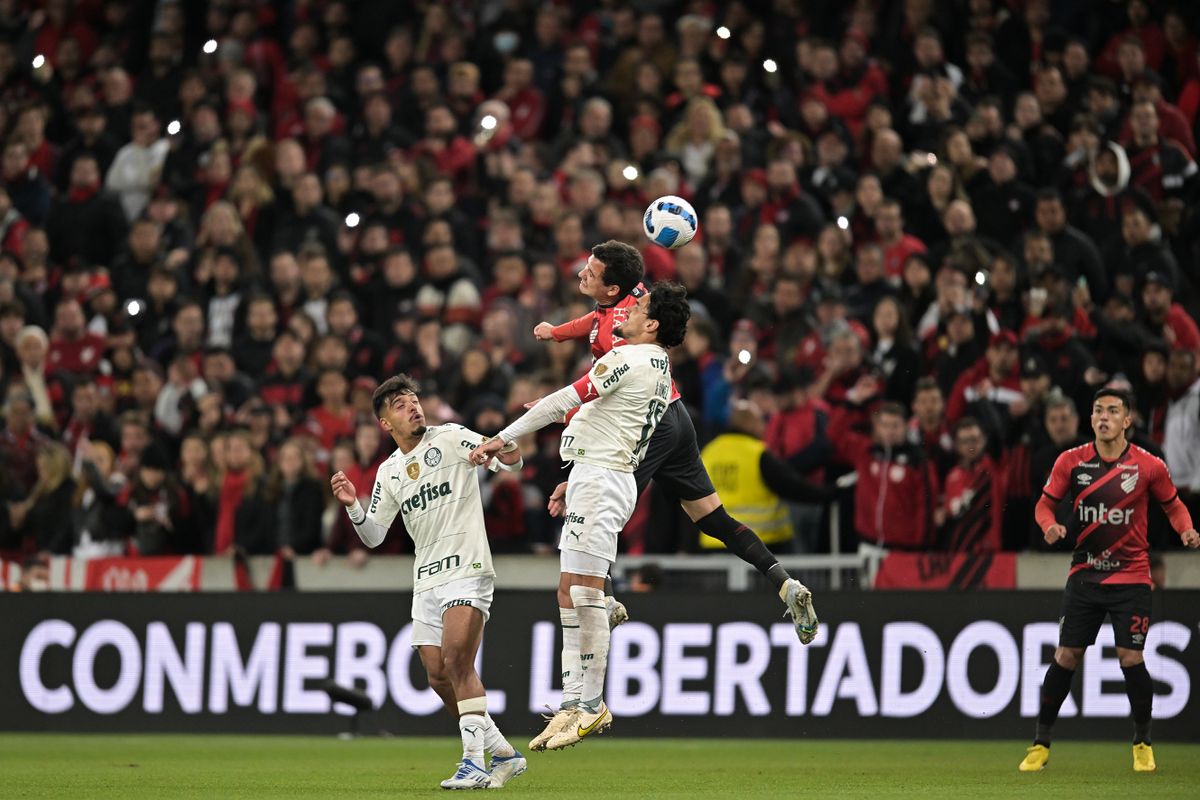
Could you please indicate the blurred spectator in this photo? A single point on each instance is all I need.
(44, 516)
(297, 498)
(753, 482)
(243, 518)
(42, 390)
(152, 511)
(88, 421)
(85, 224)
(1163, 317)
(1181, 439)
(928, 428)
(138, 165)
(93, 506)
(895, 498)
(974, 494)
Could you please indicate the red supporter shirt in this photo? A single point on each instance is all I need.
(896, 254)
(80, 355)
(974, 507)
(1108, 511)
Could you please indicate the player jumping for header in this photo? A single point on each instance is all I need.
(431, 481)
(612, 277)
(624, 396)
(1107, 484)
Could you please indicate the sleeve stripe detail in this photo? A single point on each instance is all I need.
(1052, 497)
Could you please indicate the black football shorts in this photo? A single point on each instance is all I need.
(1085, 605)
(673, 458)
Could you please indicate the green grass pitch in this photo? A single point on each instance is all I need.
(260, 767)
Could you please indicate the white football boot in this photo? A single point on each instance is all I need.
(800, 608)
(585, 723)
(555, 723)
(505, 768)
(469, 775)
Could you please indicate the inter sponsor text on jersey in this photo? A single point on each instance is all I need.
(1108, 502)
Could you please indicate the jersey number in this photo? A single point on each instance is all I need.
(653, 414)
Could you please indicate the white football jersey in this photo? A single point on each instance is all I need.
(436, 489)
(633, 387)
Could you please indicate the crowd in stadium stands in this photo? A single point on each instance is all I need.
(929, 230)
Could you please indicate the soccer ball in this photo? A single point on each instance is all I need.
(670, 222)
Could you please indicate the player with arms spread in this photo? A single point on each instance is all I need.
(612, 277)
(1108, 484)
(431, 481)
(624, 396)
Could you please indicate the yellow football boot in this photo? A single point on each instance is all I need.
(1036, 758)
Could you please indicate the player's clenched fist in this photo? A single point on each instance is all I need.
(343, 489)
(543, 332)
(558, 503)
(1191, 539)
(1054, 533)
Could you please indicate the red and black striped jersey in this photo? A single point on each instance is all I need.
(1108, 502)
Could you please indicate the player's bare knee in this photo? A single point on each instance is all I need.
(1129, 658)
(1068, 657)
(458, 665)
(439, 681)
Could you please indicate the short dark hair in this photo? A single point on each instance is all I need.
(1049, 195)
(1124, 395)
(967, 422)
(669, 307)
(397, 384)
(926, 384)
(892, 408)
(623, 265)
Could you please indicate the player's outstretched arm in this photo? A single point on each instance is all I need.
(369, 530)
(575, 329)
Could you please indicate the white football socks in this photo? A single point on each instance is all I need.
(572, 675)
(494, 741)
(594, 638)
(473, 725)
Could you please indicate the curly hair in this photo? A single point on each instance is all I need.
(669, 307)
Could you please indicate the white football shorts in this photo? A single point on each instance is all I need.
(599, 503)
(429, 605)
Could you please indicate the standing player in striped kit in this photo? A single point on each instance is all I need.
(1109, 483)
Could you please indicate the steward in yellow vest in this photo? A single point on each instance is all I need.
(754, 483)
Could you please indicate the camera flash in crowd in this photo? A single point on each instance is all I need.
(722, 32)
(931, 158)
(843, 223)
(980, 278)
(173, 127)
(210, 46)
(133, 308)
(352, 220)
(770, 66)
(630, 173)
(743, 356)
(488, 123)
(38, 61)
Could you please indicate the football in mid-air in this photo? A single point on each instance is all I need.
(670, 222)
